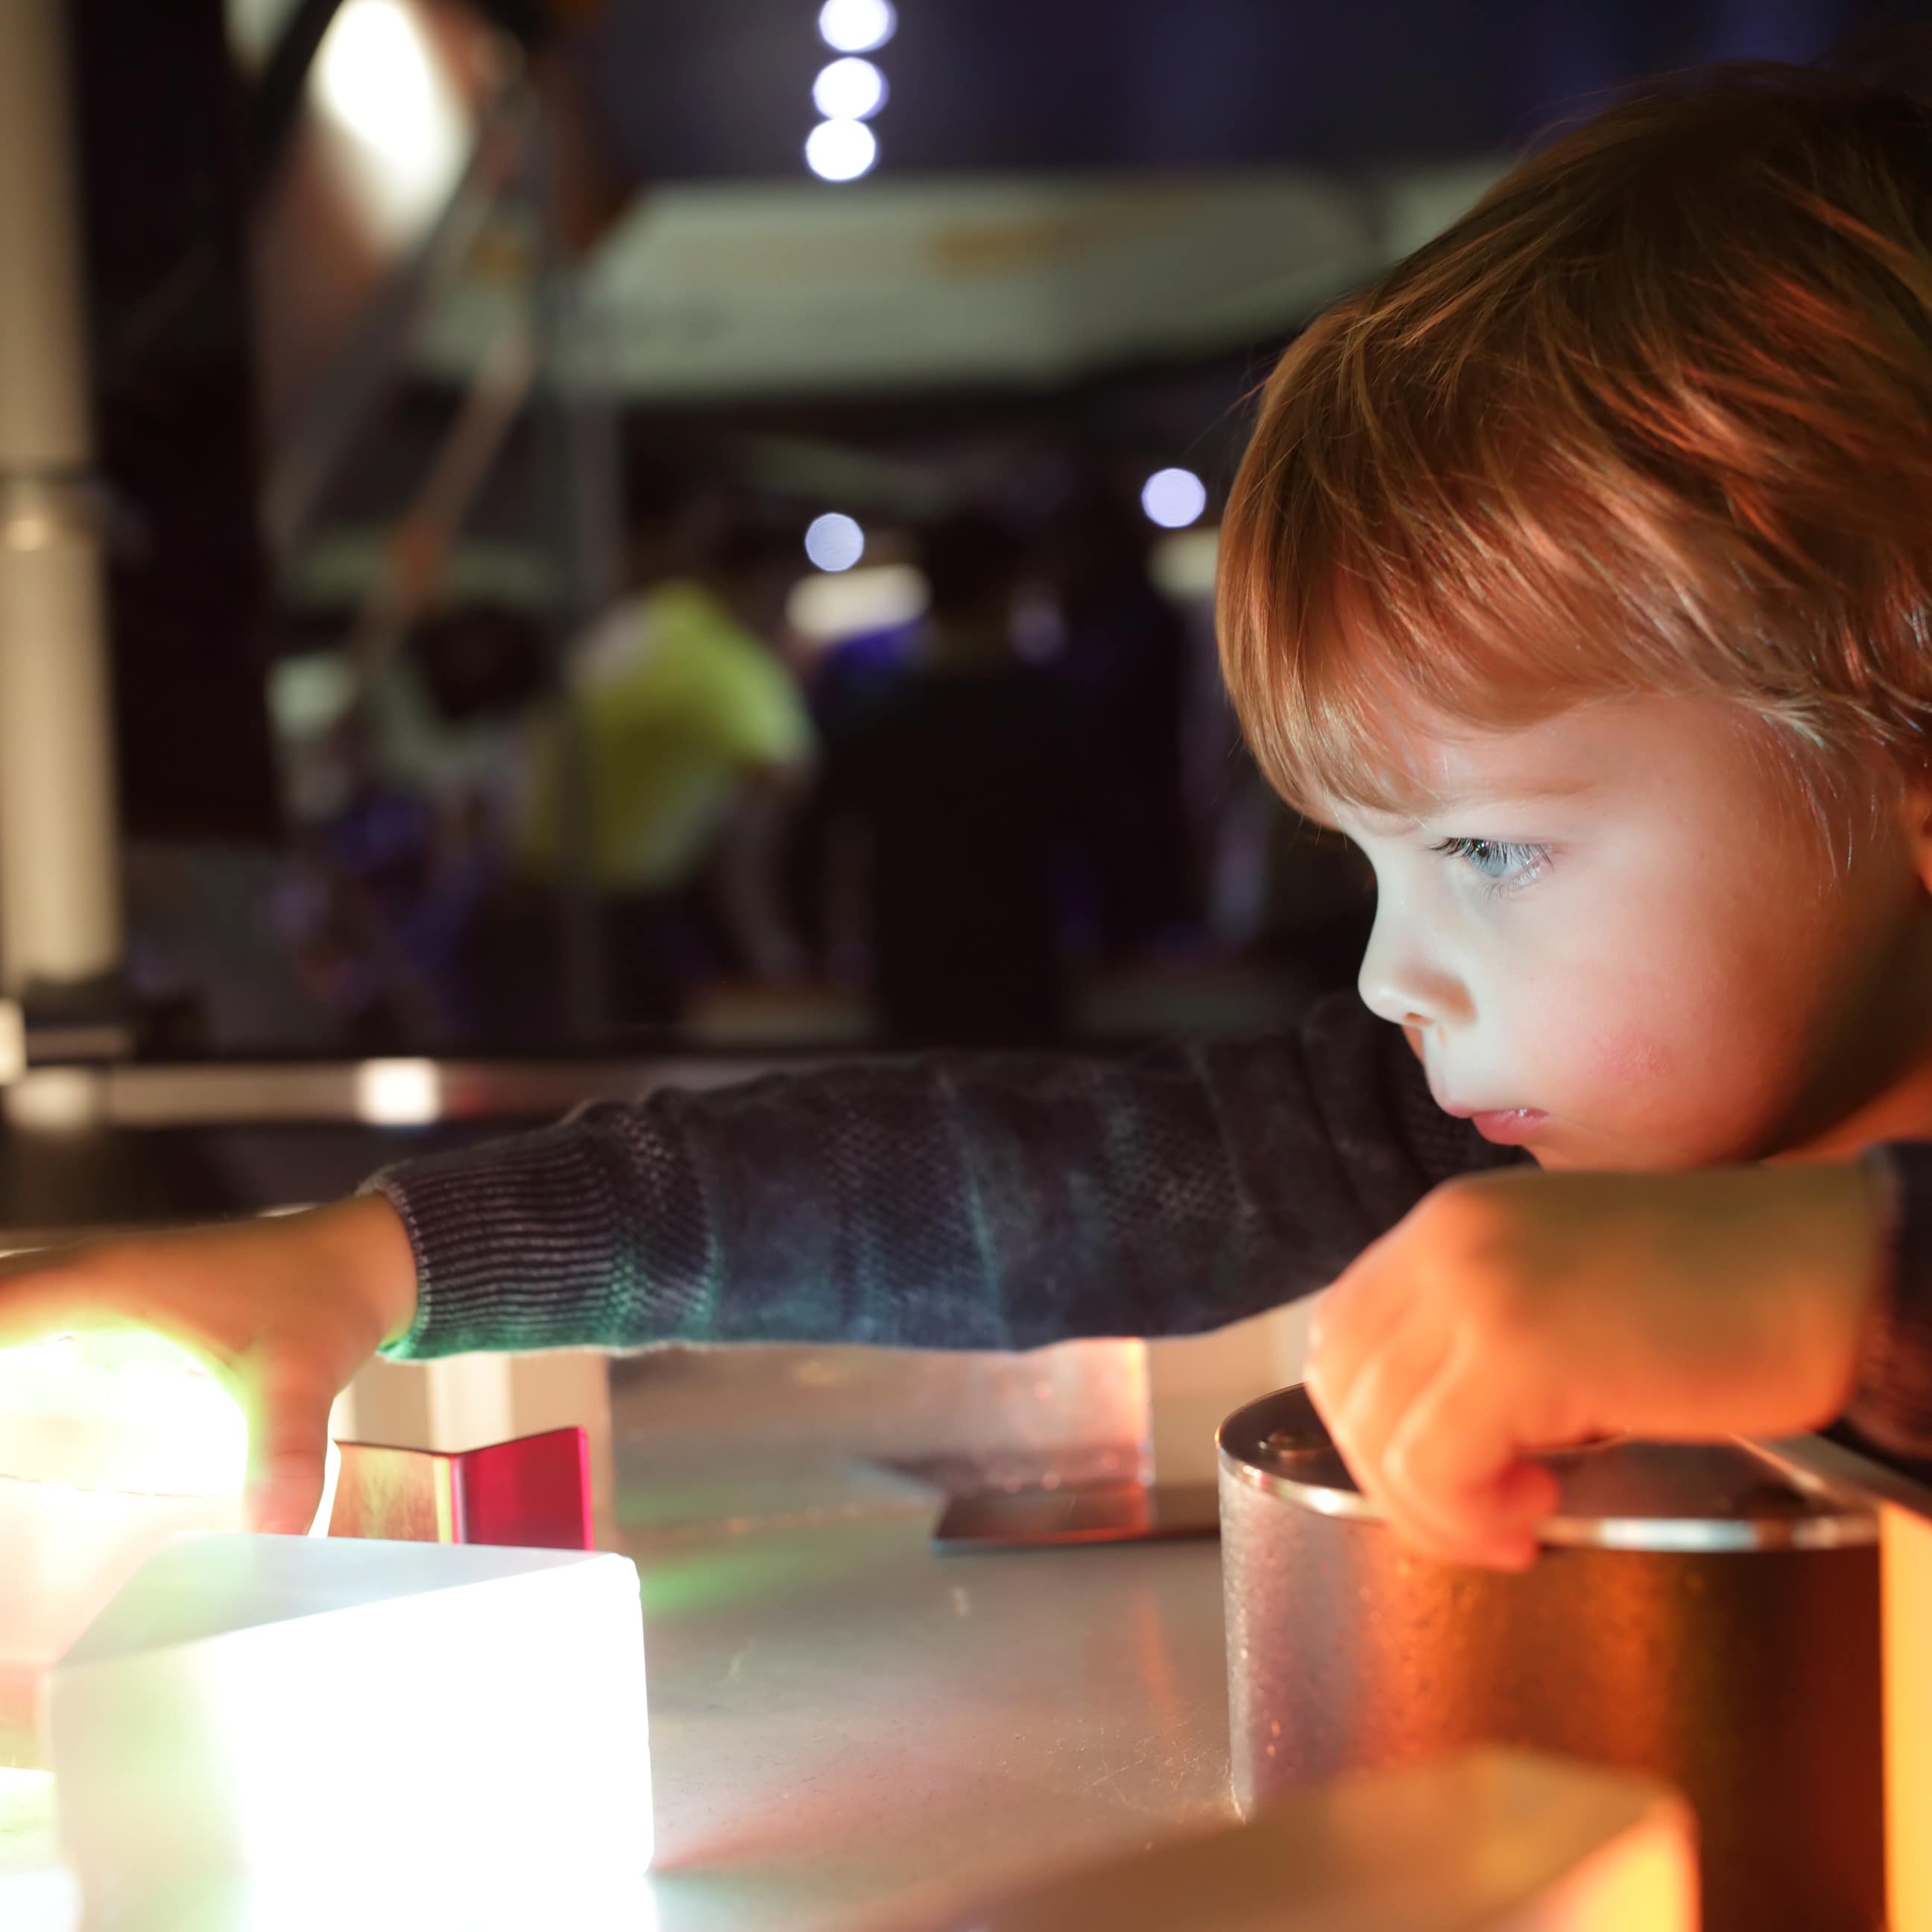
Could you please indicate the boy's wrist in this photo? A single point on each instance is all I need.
(369, 1245)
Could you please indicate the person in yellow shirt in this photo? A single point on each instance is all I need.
(696, 741)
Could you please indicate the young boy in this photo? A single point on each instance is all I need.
(1578, 572)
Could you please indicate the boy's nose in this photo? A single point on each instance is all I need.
(1399, 983)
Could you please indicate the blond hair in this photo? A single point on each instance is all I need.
(1655, 416)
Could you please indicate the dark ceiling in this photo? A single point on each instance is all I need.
(722, 87)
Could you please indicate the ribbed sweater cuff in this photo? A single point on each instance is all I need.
(1892, 1404)
(518, 1245)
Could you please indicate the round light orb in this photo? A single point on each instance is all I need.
(857, 26)
(123, 1411)
(835, 542)
(840, 151)
(378, 79)
(1174, 498)
(849, 90)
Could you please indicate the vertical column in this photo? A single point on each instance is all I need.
(60, 912)
(1906, 1555)
(577, 470)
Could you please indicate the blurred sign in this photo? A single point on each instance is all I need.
(725, 289)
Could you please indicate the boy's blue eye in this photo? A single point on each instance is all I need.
(1495, 859)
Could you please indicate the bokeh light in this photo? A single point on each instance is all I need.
(840, 151)
(398, 1093)
(856, 26)
(1174, 498)
(835, 542)
(378, 79)
(849, 90)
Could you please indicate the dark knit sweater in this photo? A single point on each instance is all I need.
(989, 1201)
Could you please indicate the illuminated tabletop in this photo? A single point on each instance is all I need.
(847, 1729)
(850, 1731)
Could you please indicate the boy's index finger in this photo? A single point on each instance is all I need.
(289, 1405)
(1354, 1317)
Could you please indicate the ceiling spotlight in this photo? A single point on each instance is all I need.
(1174, 498)
(377, 78)
(840, 151)
(856, 26)
(835, 542)
(849, 90)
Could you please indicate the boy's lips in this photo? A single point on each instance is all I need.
(1505, 1125)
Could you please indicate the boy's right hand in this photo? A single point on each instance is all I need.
(285, 1310)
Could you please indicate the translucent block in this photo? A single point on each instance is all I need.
(533, 1493)
(355, 1709)
(1495, 1840)
(65, 1552)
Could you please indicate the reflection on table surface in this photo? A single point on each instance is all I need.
(848, 1730)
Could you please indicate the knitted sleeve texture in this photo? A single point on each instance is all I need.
(973, 1201)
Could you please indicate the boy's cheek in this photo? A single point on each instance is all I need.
(1631, 1057)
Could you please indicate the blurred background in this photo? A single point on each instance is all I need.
(614, 541)
(641, 524)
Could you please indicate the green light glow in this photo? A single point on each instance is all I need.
(126, 1411)
(26, 1800)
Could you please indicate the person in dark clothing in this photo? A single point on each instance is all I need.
(958, 777)
(1123, 664)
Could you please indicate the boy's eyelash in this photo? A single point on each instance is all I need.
(1516, 864)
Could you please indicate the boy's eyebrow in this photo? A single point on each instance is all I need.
(1445, 803)
(1568, 786)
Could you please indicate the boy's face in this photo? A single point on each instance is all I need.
(1620, 943)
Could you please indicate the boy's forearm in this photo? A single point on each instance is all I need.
(993, 1201)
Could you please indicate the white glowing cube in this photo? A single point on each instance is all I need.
(275, 1704)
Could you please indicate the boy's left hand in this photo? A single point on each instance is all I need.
(1515, 1312)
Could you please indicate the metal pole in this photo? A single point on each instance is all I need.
(60, 906)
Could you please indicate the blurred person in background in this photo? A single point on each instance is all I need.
(957, 779)
(400, 803)
(454, 709)
(1123, 662)
(697, 745)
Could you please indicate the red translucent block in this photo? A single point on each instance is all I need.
(533, 1493)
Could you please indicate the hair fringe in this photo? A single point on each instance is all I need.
(1654, 416)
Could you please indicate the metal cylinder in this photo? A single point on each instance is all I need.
(1693, 1616)
(60, 912)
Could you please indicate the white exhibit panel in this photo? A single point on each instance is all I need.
(357, 1712)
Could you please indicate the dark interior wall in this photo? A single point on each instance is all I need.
(163, 189)
(692, 88)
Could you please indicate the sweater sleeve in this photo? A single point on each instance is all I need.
(979, 1201)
